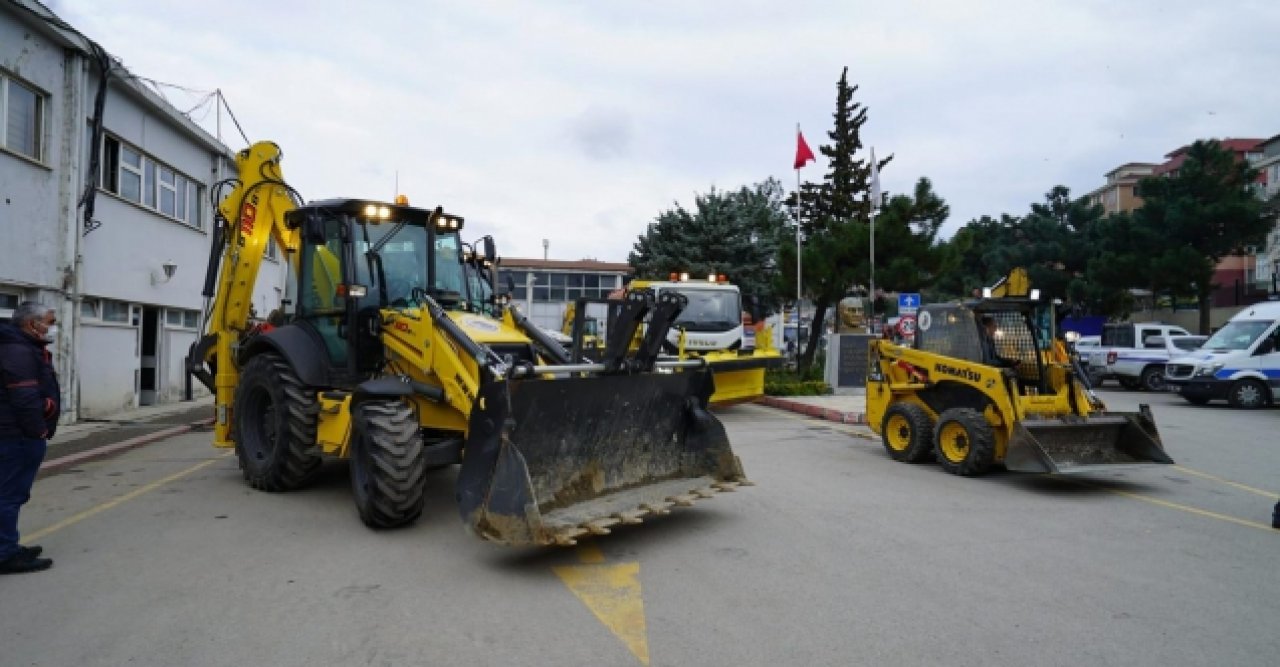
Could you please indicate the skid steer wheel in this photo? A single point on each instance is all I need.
(964, 442)
(1248, 394)
(907, 433)
(388, 464)
(275, 426)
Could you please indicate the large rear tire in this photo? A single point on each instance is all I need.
(275, 425)
(964, 442)
(388, 464)
(907, 433)
(1248, 394)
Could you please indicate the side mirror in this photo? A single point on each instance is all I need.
(490, 249)
(313, 229)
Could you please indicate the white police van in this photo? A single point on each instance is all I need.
(1239, 364)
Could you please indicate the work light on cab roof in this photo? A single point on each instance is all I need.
(683, 277)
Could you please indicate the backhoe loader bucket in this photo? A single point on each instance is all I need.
(1085, 444)
(547, 461)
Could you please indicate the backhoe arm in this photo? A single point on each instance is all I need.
(249, 215)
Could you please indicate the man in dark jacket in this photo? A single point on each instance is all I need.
(29, 409)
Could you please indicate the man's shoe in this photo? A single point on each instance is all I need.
(19, 563)
(31, 551)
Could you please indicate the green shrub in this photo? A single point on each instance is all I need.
(788, 383)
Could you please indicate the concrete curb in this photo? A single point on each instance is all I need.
(58, 464)
(818, 411)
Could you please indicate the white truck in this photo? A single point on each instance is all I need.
(1239, 364)
(1135, 354)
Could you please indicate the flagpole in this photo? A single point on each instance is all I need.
(875, 203)
(798, 253)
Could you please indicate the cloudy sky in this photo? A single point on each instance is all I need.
(579, 121)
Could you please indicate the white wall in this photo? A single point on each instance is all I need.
(107, 362)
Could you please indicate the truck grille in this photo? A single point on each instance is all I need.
(1178, 370)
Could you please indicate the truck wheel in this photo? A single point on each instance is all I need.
(388, 464)
(1196, 400)
(964, 442)
(1130, 383)
(907, 433)
(1248, 394)
(275, 425)
(1153, 378)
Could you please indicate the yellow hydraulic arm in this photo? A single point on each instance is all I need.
(252, 212)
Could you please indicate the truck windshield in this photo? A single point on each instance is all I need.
(1237, 335)
(710, 310)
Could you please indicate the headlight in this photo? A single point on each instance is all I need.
(1072, 336)
(1207, 371)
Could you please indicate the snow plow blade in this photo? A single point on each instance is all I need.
(1085, 444)
(549, 460)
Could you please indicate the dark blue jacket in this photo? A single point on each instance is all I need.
(29, 395)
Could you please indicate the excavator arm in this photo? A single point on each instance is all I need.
(248, 217)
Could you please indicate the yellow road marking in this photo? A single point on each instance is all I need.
(102, 507)
(612, 593)
(1242, 487)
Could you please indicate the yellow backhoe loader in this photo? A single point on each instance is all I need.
(985, 383)
(399, 357)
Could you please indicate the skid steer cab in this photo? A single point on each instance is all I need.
(400, 357)
(983, 384)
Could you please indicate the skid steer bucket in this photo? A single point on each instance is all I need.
(549, 460)
(1084, 444)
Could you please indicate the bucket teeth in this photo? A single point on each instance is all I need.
(725, 486)
(682, 500)
(658, 510)
(630, 518)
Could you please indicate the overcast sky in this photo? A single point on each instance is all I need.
(579, 122)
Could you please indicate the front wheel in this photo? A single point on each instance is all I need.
(907, 433)
(275, 425)
(388, 464)
(964, 442)
(1130, 383)
(1153, 378)
(1248, 394)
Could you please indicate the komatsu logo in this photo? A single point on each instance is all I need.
(966, 373)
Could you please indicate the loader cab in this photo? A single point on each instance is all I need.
(1023, 331)
(359, 257)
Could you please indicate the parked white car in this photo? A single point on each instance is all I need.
(1136, 354)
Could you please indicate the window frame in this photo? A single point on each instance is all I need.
(39, 132)
(184, 191)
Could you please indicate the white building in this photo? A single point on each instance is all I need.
(127, 283)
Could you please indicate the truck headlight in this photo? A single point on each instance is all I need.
(1207, 371)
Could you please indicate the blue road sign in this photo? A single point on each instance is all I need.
(908, 302)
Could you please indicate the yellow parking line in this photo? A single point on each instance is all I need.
(1242, 487)
(102, 507)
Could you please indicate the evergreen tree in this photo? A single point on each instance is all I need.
(1198, 215)
(834, 218)
(731, 232)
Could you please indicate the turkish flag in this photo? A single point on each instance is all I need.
(803, 154)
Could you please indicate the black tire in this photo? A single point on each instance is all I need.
(388, 464)
(907, 433)
(1196, 400)
(1248, 394)
(275, 425)
(1130, 383)
(1153, 378)
(964, 442)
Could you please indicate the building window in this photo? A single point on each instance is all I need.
(89, 309)
(142, 179)
(8, 303)
(21, 118)
(272, 251)
(175, 318)
(115, 311)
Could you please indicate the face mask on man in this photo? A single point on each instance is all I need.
(51, 334)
